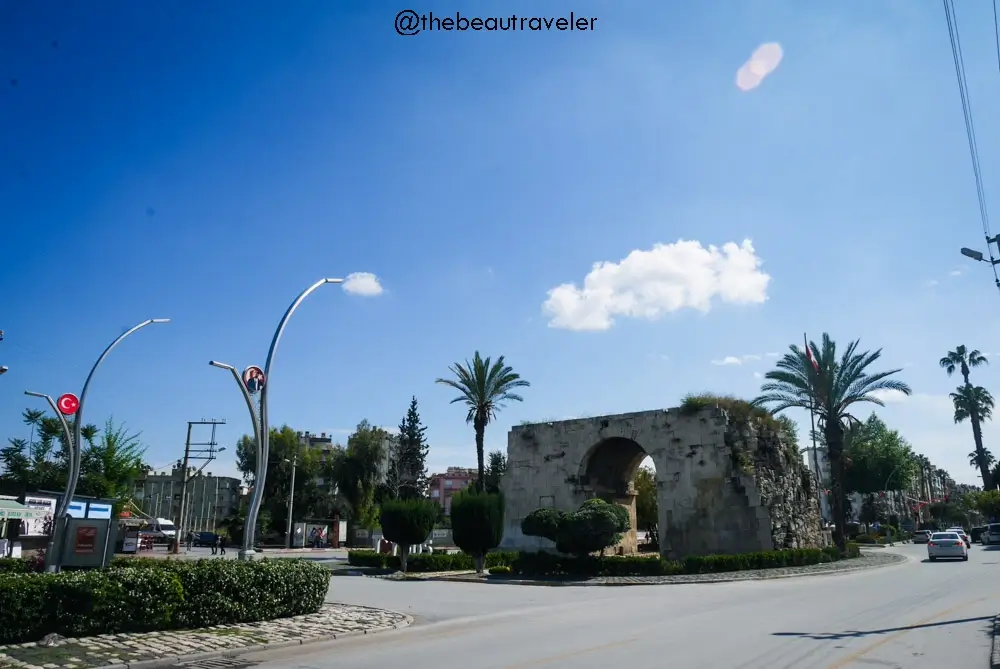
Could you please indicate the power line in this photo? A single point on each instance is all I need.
(963, 90)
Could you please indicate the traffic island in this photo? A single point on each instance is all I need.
(166, 648)
(867, 560)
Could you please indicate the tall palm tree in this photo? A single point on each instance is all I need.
(33, 419)
(816, 379)
(484, 387)
(962, 360)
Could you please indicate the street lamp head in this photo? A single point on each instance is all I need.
(333, 280)
(160, 320)
(220, 365)
(31, 394)
(220, 449)
(969, 253)
(3, 369)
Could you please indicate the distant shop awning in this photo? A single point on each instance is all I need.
(11, 510)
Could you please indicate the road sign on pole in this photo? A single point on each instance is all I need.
(68, 404)
(253, 377)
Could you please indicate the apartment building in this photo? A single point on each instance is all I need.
(444, 486)
(210, 498)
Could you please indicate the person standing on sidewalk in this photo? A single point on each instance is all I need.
(221, 543)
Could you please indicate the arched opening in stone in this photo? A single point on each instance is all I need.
(611, 471)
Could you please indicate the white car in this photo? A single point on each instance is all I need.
(947, 545)
(992, 534)
(962, 533)
(921, 536)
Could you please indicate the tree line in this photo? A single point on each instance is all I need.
(112, 459)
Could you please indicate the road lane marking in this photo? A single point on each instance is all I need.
(575, 653)
(859, 654)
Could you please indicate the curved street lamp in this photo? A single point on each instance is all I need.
(260, 420)
(53, 559)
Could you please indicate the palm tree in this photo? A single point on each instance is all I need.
(33, 419)
(962, 360)
(974, 459)
(817, 380)
(484, 387)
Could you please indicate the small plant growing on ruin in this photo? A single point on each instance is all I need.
(741, 411)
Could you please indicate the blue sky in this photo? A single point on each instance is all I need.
(206, 163)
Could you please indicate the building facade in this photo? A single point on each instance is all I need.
(210, 499)
(444, 486)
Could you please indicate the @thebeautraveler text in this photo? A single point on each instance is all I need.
(409, 22)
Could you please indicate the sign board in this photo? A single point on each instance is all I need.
(131, 543)
(77, 509)
(253, 377)
(38, 527)
(68, 404)
(86, 540)
(99, 510)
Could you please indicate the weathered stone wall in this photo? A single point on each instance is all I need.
(722, 487)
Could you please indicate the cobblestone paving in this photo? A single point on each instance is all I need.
(121, 650)
(868, 560)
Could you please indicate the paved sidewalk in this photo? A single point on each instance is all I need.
(162, 649)
(868, 560)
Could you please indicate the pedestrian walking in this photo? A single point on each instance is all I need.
(190, 540)
(215, 545)
(222, 545)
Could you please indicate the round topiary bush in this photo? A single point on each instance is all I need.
(477, 523)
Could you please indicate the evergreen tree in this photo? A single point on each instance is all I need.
(408, 464)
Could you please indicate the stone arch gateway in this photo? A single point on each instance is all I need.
(723, 485)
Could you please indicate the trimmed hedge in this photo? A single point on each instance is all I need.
(142, 595)
(17, 566)
(550, 564)
(428, 562)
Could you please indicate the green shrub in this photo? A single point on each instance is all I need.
(550, 564)
(140, 595)
(542, 523)
(366, 558)
(596, 525)
(408, 523)
(501, 570)
(477, 522)
(17, 565)
(430, 562)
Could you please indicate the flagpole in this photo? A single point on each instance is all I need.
(812, 435)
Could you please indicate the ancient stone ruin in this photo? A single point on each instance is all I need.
(726, 482)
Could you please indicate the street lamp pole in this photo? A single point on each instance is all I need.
(291, 500)
(260, 420)
(77, 440)
(73, 454)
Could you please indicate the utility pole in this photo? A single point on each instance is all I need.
(291, 499)
(207, 454)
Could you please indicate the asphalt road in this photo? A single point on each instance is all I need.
(916, 615)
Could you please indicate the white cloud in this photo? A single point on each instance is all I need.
(930, 283)
(728, 360)
(763, 62)
(772, 355)
(758, 375)
(957, 272)
(364, 284)
(890, 396)
(664, 279)
(751, 358)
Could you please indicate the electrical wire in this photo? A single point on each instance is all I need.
(970, 129)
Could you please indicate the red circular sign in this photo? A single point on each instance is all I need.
(68, 404)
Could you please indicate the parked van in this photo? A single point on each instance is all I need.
(160, 528)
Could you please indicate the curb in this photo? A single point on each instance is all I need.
(170, 660)
(995, 653)
(592, 584)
